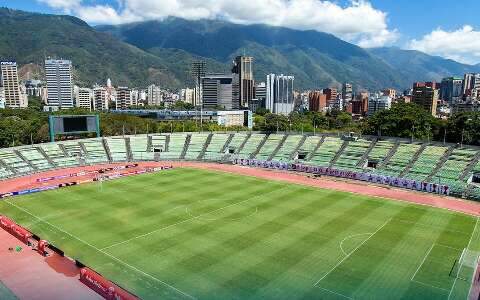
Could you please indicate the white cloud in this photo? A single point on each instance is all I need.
(358, 22)
(462, 45)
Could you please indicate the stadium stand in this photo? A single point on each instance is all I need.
(118, 148)
(216, 148)
(435, 163)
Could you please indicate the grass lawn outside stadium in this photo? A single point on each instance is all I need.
(190, 233)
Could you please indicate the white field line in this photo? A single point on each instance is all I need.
(349, 237)
(448, 247)
(471, 238)
(103, 252)
(353, 251)
(333, 292)
(429, 285)
(215, 219)
(423, 261)
(187, 220)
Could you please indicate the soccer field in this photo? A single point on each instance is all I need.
(189, 233)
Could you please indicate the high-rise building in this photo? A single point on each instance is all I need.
(317, 101)
(84, 98)
(280, 99)
(100, 98)
(471, 85)
(378, 103)
(187, 95)
(451, 90)
(331, 94)
(9, 80)
(123, 100)
(59, 83)
(261, 93)
(425, 94)
(217, 92)
(154, 95)
(2, 98)
(243, 83)
(347, 92)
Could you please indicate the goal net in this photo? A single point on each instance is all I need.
(465, 266)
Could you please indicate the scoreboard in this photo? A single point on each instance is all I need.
(65, 125)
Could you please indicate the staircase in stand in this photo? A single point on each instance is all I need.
(129, 149)
(414, 160)
(339, 153)
(8, 167)
(149, 143)
(19, 154)
(107, 149)
(365, 155)
(300, 144)
(470, 166)
(44, 154)
(227, 143)
(440, 163)
(243, 143)
(205, 146)
(311, 154)
(167, 142)
(262, 142)
(185, 146)
(280, 145)
(389, 155)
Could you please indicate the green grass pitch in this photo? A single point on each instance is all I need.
(188, 233)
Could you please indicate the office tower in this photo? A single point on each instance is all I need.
(243, 83)
(123, 100)
(59, 83)
(347, 92)
(331, 94)
(198, 70)
(13, 97)
(100, 98)
(217, 92)
(83, 98)
(378, 103)
(471, 85)
(451, 90)
(280, 98)
(154, 95)
(425, 94)
(317, 101)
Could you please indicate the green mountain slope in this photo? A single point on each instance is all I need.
(30, 37)
(316, 59)
(418, 66)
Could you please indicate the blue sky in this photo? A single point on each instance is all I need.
(443, 28)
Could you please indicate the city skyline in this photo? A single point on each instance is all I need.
(428, 28)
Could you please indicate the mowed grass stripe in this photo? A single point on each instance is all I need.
(275, 253)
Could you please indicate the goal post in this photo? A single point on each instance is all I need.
(464, 267)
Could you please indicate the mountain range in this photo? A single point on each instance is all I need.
(161, 52)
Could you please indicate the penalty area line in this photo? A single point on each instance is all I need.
(353, 251)
(103, 252)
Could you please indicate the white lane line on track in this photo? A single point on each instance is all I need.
(353, 251)
(103, 252)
